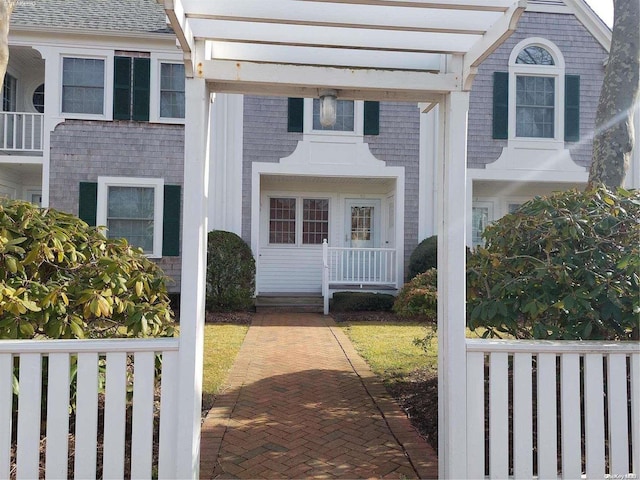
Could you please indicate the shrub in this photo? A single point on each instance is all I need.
(424, 257)
(361, 302)
(565, 266)
(60, 278)
(419, 297)
(231, 272)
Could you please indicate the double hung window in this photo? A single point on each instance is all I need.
(294, 221)
(171, 90)
(83, 85)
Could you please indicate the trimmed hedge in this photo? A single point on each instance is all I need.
(424, 257)
(361, 302)
(231, 273)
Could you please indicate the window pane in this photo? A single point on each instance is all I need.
(480, 220)
(534, 55)
(535, 107)
(82, 85)
(361, 223)
(282, 220)
(9, 91)
(130, 212)
(172, 90)
(344, 116)
(315, 224)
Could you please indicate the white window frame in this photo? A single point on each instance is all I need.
(107, 98)
(154, 88)
(158, 203)
(334, 135)
(554, 71)
(299, 220)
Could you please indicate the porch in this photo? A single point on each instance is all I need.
(21, 133)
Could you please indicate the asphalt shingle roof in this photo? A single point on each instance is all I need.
(126, 16)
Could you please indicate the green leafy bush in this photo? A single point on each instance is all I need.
(361, 302)
(424, 257)
(231, 272)
(565, 266)
(60, 278)
(419, 297)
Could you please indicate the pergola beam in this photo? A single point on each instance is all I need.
(408, 86)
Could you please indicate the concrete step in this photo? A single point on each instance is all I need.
(300, 303)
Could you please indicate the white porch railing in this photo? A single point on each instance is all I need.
(358, 267)
(573, 408)
(60, 365)
(21, 132)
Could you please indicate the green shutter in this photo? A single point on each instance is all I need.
(171, 221)
(500, 105)
(88, 202)
(371, 118)
(571, 108)
(295, 115)
(122, 88)
(141, 90)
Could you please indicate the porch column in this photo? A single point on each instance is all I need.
(194, 256)
(452, 418)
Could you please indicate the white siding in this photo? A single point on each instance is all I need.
(291, 270)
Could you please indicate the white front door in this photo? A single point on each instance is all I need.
(362, 223)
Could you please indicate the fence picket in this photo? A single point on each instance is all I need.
(115, 415)
(29, 398)
(57, 416)
(6, 403)
(635, 413)
(475, 415)
(498, 415)
(522, 417)
(86, 416)
(570, 415)
(617, 396)
(594, 415)
(142, 428)
(168, 422)
(547, 417)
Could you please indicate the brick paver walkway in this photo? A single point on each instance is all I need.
(301, 403)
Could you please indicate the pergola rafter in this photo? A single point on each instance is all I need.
(244, 38)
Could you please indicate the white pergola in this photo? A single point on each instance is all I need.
(424, 51)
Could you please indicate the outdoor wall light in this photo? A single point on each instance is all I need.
(328, 107)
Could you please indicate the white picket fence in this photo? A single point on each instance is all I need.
(21, 131)
(552, 395)
(57, 364)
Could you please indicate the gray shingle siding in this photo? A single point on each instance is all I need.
(583, 56)
(265, 140)
(81, 151)
(398, 145)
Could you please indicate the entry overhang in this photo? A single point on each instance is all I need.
(385, 49)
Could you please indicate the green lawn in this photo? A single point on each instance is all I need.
(389, 348)
(221, 344)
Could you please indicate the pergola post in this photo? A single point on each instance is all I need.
(194, 256)
(452, 206)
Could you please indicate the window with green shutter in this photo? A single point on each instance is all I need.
(345, 116)
(131, 88)
(130, 208)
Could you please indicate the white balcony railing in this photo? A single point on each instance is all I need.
(47, 371)
(357, 266)
(21, 132)
(573, 409)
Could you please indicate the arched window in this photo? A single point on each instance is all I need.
(536, 68)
